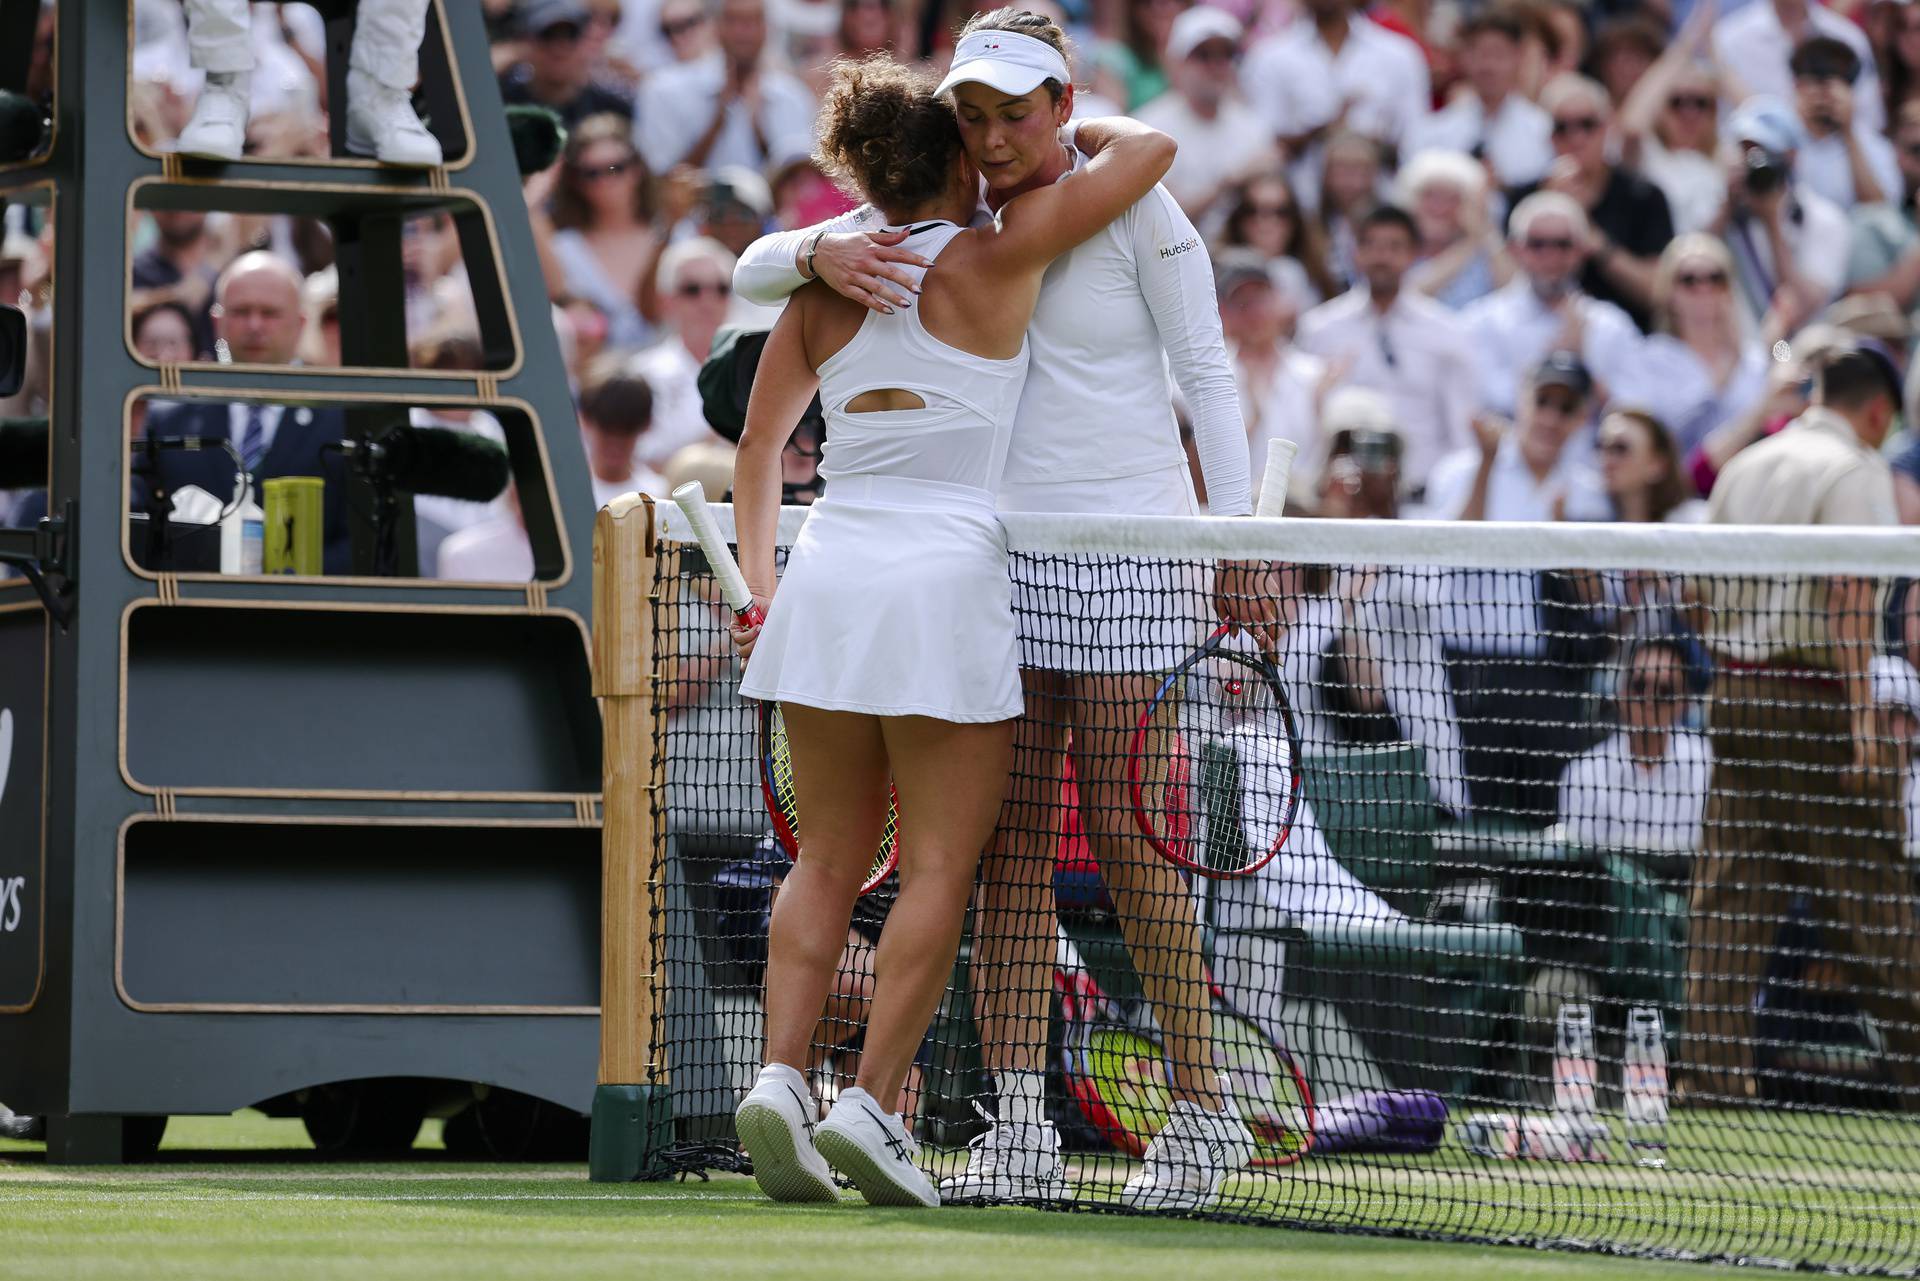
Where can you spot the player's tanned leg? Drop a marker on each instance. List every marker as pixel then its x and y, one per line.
pixel 951 779
pixel 840 784
pixel 1155 912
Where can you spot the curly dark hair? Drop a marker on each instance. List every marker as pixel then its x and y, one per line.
pixel 884 135
pixel 1026 23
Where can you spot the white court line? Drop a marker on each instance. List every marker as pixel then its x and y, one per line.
pixel 149 1197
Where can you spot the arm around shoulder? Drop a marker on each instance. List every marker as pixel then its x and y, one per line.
pixel 1039 226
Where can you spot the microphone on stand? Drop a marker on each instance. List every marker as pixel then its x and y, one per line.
pixel 433 461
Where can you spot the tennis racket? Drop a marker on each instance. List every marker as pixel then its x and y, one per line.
pixel 776 756
pixel 1116 1071
pixel 1213 768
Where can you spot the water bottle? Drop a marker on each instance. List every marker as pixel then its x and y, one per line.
pixel 1644 1085
pixel 1554 1136
pixel 1573 1066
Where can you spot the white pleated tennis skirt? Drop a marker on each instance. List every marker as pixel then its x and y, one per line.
pixel 1108 615
pixel 895 602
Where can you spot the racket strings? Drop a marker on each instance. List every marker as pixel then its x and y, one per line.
pixel 1216 773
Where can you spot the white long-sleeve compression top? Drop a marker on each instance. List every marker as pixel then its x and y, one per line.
pixel 1114 315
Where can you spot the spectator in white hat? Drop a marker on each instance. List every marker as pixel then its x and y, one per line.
pixel 1221 138
pixel 1789 243
pixel 1896 692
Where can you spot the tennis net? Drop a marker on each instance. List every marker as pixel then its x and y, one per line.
pixel 1592 924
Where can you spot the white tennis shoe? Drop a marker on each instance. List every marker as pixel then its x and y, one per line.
pixel 775 1123
pixel 218 129
pixel 1011 1162
pixel 381 123
pixel 872 1147
pixel 1189 1159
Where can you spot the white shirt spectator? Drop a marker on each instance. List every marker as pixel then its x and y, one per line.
pixel 1695 186
pixel 435 516
pixel 1753 45
pixel 494 551
pixel 679 419
pixel 1400 619
pixel 1296 84
pixel 1284 406
pixel 1496 612
pixel 1513 491
pixel 1517 139
pixel 1212 152
pixel 1819 238
pixel 1416 355
pixel 1609 800
pixel 1821 165
pixel 1511 330
pixel 677 104
pixel 645 480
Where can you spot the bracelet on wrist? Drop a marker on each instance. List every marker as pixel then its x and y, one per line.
pixel 813 247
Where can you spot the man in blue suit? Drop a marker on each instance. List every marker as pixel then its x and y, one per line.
pixel 259 320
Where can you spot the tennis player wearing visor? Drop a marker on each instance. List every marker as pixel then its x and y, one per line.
pixel 890 643
pixel 1094 432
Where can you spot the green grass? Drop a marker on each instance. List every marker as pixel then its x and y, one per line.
pixel 235 1197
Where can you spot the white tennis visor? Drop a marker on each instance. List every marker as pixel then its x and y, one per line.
pixel 1008 61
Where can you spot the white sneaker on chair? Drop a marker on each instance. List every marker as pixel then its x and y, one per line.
pixel 1189 1159
pixel 775 1123
pixel 381 123
pixel 872 1147
pixel 1011 1162
pixel 218 129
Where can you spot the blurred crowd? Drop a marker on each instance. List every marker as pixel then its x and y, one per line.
pixel 1408 205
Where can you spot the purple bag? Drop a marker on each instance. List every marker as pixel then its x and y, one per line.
pixel 1399 1121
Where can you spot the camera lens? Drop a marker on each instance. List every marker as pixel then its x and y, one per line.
pixel 1765 172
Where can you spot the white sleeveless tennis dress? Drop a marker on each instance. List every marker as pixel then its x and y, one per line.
pixel 896 599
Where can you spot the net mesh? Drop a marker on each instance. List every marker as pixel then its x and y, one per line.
pixel 1594 925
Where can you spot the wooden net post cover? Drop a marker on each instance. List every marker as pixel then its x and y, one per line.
pixel 623 679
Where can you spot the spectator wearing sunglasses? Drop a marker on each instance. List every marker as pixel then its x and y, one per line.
pixel 1628 216
pixel 1667 123
pixel 559 68
pixel 1220 137
pixel 1843 161
pixel 1789 243
pixel 695 289
pixel 604 236
pixel 1702 341
pixel 1264 215
pixel 1641 471
pixel 1644 787
pixel 1543 309
pixel 1491 120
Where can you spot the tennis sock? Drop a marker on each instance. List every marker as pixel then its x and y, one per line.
pixel 1022 1097
pixel 786 1075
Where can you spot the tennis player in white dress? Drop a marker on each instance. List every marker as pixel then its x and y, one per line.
pixel 1095 432
pixel 890 642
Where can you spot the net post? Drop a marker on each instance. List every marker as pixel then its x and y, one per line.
pixel 632 1110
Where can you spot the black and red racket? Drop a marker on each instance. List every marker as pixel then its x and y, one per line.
pixel 776 757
